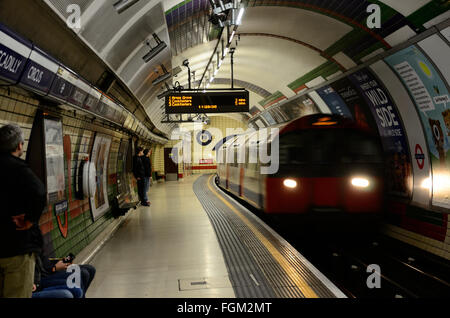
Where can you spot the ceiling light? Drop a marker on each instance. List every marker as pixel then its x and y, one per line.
pixel 156 50
pixel 164 77
pixel 240 15
pixel 123 5
pixel 231 37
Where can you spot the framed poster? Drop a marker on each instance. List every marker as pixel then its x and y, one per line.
pixel 269 118
pixel 122 180
pixel 334 101
pixel 431 98
pixel 292 110
pixel 421 196
pixel 355 104
pixel 99 157
pixel 54 159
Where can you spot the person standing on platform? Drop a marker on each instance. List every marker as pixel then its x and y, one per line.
pixel 23 198
pixel 148 173
pixel 139 174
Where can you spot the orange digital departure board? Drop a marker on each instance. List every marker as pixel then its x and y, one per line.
pixel 207 102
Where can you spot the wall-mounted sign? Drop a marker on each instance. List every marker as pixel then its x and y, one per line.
pixel 208 102
pixel 206 161
pixel 39 72
pixel 204 138
pixel 14 52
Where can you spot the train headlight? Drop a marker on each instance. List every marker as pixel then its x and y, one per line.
pixel 360 182
pixel 290 183
pixel 426 183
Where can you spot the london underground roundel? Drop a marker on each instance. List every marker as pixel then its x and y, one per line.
pixel 204 138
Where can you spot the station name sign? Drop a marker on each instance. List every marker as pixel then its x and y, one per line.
pixel 207 102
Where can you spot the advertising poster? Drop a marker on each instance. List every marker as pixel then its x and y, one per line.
pixel 334 101
pixel 254 110
pixel 54 152
pixel 390 128
pixel 269 118
pixel 431 97
pixel 420 159
pixel 291 110
pixel 100 155
pixel 307 105
pixel 299 107
pixel 355 103
pixel 122 180
pixel 278 116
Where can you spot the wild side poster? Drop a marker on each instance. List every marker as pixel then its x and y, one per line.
pixel 391 130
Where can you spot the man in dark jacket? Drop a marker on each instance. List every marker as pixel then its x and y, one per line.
pixel 23 198
pixel 139 174
pixel 148 172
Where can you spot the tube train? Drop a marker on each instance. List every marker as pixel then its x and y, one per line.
pixel 328 168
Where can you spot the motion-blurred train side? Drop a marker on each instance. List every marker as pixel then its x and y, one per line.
pixel 329 169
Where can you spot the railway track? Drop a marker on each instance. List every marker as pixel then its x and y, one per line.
pixel 404 271
pixel 347 263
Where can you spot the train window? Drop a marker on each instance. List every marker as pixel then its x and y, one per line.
pixel 324 146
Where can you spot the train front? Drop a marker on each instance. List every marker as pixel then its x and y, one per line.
pixel 329 171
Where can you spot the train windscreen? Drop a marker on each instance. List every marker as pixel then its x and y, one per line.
pixel 329 146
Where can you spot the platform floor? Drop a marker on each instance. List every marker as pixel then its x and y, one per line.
pixel 167 250
pixel 196 242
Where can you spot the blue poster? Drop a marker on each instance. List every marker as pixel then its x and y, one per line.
pixel 269 118
pixel 334 101
pixel 431 97
pixel 390 128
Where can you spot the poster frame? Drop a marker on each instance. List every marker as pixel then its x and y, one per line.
pixel 97 212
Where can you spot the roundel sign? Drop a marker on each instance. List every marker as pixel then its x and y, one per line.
pixel 204 138
pixel 420 156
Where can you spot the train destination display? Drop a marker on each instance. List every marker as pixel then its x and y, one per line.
pixel 208 102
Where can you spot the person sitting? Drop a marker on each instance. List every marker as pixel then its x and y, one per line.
pixel 56 274
pixel 56 288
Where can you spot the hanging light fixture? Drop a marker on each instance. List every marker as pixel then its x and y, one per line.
pixel 161 45
pixel 123 5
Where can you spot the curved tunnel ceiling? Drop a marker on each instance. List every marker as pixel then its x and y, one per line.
pixel 282 47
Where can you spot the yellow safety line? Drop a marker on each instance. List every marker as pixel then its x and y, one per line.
pixel 296 278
